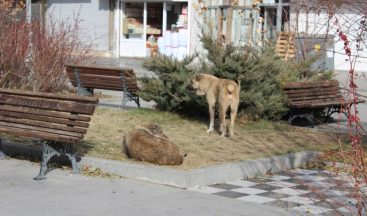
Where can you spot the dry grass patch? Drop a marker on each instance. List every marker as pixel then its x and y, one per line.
pixel 252 140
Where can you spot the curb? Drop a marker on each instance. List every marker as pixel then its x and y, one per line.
pixel 179 178
pixel 202 176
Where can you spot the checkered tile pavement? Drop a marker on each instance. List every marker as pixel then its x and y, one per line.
pixel 299 191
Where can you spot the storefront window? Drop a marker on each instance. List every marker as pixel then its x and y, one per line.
pixel 152 27
pixel 176 15
pixel 133 21
pixel 154 19
pixel 175 40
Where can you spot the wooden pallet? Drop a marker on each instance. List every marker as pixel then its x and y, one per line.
pixel 285 46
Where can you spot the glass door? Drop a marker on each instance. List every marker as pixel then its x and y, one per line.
pixel 133 29
pixel 154 26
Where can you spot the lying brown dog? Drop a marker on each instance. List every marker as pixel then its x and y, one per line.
pixel 225 92
pixel 147 142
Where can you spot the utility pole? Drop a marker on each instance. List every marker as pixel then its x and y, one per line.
pixel 28 6
pixel 279 15
pixel 28 60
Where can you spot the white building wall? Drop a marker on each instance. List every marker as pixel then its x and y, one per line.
pixel 93 16
pixel 317 22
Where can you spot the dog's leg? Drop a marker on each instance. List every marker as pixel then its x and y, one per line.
pixel 233 117
pixel 222 119
pixel 211 114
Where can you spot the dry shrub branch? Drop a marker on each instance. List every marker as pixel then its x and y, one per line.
pixel 353 40
pixel 32 56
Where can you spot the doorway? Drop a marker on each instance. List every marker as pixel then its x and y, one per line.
pixel 132 34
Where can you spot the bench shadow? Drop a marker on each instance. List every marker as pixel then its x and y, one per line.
pixel 33 153
pixel 304 122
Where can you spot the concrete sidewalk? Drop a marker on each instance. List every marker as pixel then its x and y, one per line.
pixel 66 194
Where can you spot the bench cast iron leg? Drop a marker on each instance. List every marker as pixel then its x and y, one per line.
pixel 128 95
pixel 291 118
pixel 311 119
pixel 2 155
pixel 302 114
pixel 124 99
pixel 137 101
pixel 338 109
pixel 47 154
pixel 131 97
pixel 80 88
pixel 70 152
pixel 51 149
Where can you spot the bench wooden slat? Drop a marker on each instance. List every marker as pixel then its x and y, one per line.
pixel 81 99
pixel 314 84
pixel 311 98
pixel 319 104
pixel 111 86
pixel 48 113
pixel 325 103
pixel 45 119
pixel 339 100
pixel 100 70
pixel 87 78
pixel 311 90
pixel 52 119
pixel 313 94
pixel 48 104
pixel 43 124
pixel 102 77
pixel 304 98
pixel 41 129
pixel 117 82
pixel 102 81
pixel 38 134
pixel 98 67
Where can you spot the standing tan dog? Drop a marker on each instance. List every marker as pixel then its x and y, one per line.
pixel 225 92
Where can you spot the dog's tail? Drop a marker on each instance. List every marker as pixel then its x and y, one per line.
pixel 231 88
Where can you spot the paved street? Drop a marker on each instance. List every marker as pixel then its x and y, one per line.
pixel 65 194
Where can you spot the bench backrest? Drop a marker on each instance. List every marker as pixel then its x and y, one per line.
pixel 54 117
pixel 313 93
pixel 103 78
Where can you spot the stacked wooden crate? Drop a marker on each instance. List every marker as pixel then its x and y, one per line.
pixel 285 46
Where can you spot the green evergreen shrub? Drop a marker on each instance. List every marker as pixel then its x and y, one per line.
pixel 169 89
pixel 260 72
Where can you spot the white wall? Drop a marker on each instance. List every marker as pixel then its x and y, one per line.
pixel 315 22
pixel 93 14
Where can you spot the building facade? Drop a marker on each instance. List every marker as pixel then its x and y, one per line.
pixel 125 28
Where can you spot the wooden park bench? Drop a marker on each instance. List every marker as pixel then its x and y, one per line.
pixel 304 98
pixel 53 120
pixel 87 78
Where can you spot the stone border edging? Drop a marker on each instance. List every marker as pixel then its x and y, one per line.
pixel 202 176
